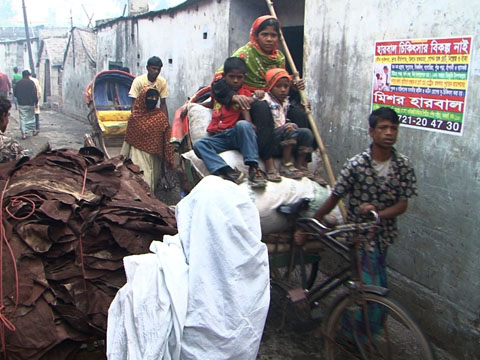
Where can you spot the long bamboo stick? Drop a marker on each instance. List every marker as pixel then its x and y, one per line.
pixel 313 125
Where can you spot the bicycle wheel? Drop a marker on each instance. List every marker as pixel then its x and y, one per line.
pixel 393 333
pixel 294 277
pixel 284 314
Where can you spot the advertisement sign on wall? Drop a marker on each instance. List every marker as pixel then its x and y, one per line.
pixel 424 80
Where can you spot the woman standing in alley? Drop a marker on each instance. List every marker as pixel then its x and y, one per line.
pixel 147 137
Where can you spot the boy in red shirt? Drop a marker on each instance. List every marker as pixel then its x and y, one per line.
pixel 232 129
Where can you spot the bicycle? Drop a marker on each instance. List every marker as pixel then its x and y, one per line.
pixel 363 323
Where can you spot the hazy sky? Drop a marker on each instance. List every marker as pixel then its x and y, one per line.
pixel 57 12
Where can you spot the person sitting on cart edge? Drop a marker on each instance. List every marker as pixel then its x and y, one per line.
pixel 232 129
pixel 379 179
pixel 152 79
pixel 10 149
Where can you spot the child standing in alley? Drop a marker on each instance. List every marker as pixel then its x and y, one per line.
pixel 232 129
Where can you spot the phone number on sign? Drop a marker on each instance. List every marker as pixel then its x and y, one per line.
pixel 429 123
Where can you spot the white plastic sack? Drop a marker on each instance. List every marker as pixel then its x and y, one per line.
pixel 146 317
pixel 199 118
pixel 232 157
pixel 267 201
pixel 229 289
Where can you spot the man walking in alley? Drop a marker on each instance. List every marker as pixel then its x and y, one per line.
pixel 26 93
pixel 152 79
pixel 16 77
pixel 5 85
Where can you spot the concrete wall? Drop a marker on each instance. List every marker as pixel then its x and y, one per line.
pixel 177 37
pixel 244 12
pixel 435 262
pixel 242 15
pixel 15 53
pixel 114 44
pixel 78 72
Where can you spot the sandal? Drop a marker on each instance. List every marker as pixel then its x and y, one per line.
pixel 274 176
pixel 24 136
pixel 307 173
pixel 318 179
pixel 35 133
pixel 256 178
pixel 290 171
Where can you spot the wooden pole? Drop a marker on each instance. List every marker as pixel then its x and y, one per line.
pixel 313 125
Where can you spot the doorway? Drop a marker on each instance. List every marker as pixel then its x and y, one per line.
pixel 47 91
pixel 294 38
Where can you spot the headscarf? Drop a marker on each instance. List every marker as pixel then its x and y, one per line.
pixel 257 61
pixel 149 130
pixel 273 75
pixel 254 36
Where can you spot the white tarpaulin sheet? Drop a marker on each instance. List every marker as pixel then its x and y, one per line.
pixel 227 284
pixel 146 318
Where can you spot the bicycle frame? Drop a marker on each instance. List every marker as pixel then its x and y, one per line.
pixel 350 274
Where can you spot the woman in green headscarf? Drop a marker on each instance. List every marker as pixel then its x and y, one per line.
pixel 261 54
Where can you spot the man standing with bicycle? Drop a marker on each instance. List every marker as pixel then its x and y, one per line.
pixel 379 179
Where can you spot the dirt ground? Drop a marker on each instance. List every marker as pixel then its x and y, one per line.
pixel 58 130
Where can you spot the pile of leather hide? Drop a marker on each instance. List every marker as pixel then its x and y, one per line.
pixel 69 217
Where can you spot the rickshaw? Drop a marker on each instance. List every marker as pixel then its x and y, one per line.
pixel 109 109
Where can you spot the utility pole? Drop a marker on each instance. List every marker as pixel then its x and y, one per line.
pixel 72 39
pixel 27 34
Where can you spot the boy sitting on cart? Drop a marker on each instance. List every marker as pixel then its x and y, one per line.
pixel 232 129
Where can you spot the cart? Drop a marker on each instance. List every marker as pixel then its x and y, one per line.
pixel 109 109
pixel 284 257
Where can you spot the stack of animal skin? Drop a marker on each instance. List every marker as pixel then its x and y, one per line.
pixel 68 219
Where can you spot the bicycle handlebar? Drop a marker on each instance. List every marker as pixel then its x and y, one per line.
pixel 376 216
pixel 328 235
pixel 319 228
